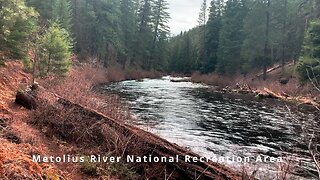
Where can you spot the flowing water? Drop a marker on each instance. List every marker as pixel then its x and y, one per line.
pixel 222 125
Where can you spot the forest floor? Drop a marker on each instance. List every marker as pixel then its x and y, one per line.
pixel 19 139
pixel 280 84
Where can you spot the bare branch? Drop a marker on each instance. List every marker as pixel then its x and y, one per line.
pixel 311 80
pixel 313 155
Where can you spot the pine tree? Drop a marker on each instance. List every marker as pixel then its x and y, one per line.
pixel 183 53
pixel 62 12
pixel 54 53
pixel 160 19
pixel 145 35
pixel 106 31
pixel 309 63
pixel 202 25
pixel 254 43
pixel 84 29
pixel 282 33
pixel 266 58
pixel 295 30
pixel 17 22
pixel 44 8
pixel 58 10
pixel 128 28
pixel 231 37
pixel 212 36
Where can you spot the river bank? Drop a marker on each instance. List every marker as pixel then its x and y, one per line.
pixel 280 85
pixel 75 119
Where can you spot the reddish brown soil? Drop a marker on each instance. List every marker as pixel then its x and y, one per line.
pixel 19 140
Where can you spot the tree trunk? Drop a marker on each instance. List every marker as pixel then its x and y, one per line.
pixel 284 34
pixel 266 46
pixel 26 100
pixel 34 63
pixel 49 63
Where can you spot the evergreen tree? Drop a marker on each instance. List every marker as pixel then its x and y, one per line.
pixel 44 8
pixel 62 12
pixel 266 58
pixel 295 30
pixel 54 51
pixel 84 29
pixel 309 64
pixel 202 25
pixel 231 37
pixel 212 37
pixel 254 44
pixel 161 53
pixel 160 18
pixel 128 27
pixel 284 32
pixel 237 36
pixel 145 34
pixel 106 41
pixel 17 22
pixel 184 54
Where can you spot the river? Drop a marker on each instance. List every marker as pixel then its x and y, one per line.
pixel 222 125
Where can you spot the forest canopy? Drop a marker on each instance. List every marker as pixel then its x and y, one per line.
pixel 233 36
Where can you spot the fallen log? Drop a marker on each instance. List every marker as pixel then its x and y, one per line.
pixel 274 68
pixel 267 93
pixel 273 94
pixel 99 128
pixel 25 99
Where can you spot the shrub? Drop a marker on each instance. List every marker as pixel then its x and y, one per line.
pixel 308 68
pixel 309 65
pixel 88 167
pixel 78 87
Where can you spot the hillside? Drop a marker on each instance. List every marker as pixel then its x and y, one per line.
pixel 19 140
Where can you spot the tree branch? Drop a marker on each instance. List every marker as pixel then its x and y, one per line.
pixel 311 80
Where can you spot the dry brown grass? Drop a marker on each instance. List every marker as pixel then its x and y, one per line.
pixel 90 134
pixel 16 163
pixel 284 171
pixel 12 78
pixel 215 79
pixel 293 88
pixel 115 74
pixel 83 132
pixel 67 124
pixel 17 139
pixel 79 88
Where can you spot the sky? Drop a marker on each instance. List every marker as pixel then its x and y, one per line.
pixel 184 14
